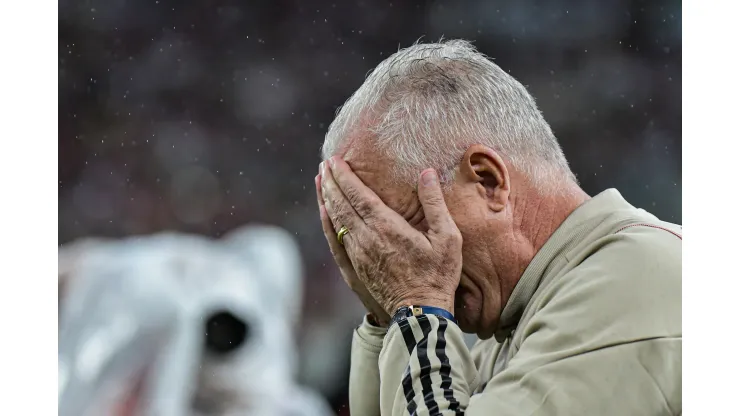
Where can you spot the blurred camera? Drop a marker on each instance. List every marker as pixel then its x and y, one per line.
pixel 174 324
pixel 225 333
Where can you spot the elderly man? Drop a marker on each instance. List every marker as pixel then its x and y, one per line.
pixel 449 206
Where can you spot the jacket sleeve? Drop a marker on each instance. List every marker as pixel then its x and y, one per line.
pixel 426 368
pixel 364 374
pixel 605 340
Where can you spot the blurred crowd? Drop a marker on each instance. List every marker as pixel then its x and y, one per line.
pixel 201 116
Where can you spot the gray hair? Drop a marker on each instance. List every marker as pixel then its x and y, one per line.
pixel 426 104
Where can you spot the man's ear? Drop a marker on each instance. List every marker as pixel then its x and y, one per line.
pixel 485 166
pixel 274 255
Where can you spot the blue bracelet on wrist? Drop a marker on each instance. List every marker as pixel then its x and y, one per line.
pixel 405 312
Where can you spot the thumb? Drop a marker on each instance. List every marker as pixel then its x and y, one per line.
pixel 433 202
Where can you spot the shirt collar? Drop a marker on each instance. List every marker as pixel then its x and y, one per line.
pixel 584 219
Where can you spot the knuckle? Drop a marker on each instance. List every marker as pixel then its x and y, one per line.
pixel 435 199
pixel 364 209
pixel 363 206
pixel 340 214
pixel 454 238
pixel 353 196
pixel 379 224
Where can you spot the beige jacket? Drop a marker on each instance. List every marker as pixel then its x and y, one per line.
pixel 592 328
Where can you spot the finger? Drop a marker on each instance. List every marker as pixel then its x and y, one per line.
pixel 432 201
pixel 319 197
pixel 326 225
pixel 347 268
pixel 340 255
pixel 364 201
pixel 329 232
pixel 340 211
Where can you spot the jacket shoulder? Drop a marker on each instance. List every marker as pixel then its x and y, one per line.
pixel 629 281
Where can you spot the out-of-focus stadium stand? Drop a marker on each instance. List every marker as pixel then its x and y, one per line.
pixel 201 116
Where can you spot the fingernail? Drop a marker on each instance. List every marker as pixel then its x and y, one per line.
pixel 331 162
pixel 429 178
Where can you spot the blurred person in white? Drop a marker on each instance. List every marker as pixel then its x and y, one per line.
pixel 449 206
pixel 175 324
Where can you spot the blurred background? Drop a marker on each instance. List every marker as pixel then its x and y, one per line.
pixel 201 116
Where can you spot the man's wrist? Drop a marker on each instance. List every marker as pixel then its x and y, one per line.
pixel 449 306
pixel 405 312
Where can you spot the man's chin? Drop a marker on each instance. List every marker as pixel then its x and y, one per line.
pixel 465 321
pixel 468 319
pixel 469 315
pixel 471 325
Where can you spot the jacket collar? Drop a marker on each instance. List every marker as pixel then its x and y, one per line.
pixel 578 224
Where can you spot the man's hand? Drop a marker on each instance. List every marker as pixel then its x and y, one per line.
pixel 345 265
pixel 398 264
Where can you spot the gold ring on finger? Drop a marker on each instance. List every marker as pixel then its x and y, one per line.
pixel 340 235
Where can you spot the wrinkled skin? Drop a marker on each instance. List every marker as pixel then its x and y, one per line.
pixel 378 315
pixel 398 264
pixel 502 216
